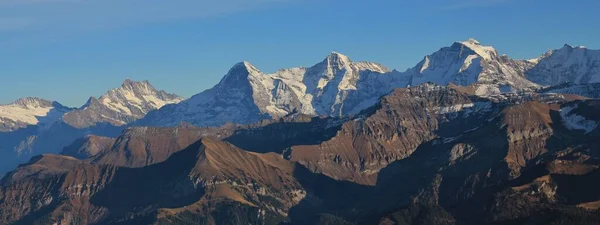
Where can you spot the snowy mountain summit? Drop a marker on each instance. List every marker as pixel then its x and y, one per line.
pixel 29 111
pixel 577 65
pixel 121 106
pixel 469 63
pixel 339 86
pixel 335 86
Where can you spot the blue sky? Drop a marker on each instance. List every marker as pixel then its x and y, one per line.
pixel 68 50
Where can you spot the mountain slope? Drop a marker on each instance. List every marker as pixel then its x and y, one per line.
pixel 143 146
pixel 88 146
pixel 208 177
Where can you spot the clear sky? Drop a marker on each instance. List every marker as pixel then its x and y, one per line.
pixel 68 50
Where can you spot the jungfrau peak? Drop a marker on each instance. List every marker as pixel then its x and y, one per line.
pixel 469 63
pixel 486 52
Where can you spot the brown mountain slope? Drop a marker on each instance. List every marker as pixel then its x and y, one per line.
pixel 207 174
pixel 88 146
pixel 390 131
pixel 142 146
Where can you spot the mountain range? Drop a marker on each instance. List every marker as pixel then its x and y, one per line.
pixel 338 86
pixel 32 126
pixel 467 136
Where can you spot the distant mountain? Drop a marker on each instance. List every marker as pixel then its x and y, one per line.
pixel 337 86
pixel 577 65
pixel 428 154
pixel 30 112
pixel 469 63
pixel 121 106
pixel 33 126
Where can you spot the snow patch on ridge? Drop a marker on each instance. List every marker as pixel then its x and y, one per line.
pixel 25 115
pixel 484 51
pixel 467 108
pixel 26 110
pixel 576 122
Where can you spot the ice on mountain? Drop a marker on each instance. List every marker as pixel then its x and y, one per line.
pixel 576 122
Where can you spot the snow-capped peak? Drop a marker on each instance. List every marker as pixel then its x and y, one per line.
pixel 143 87
pixel 122 105
pixel 245 65
pixel 239 75
pixel 471 41
pixel 567 46
pixel 32 102
pixel 486 52
pixel 337 60
pixel 29 111
pixel 471 63
pixel 577 65
pixel 137 94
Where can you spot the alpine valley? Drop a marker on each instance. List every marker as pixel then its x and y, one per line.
pixel 467 136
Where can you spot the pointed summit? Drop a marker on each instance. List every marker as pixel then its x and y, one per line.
pixel 122 105
pixel 244 65
pixel 29 111
pixel 471 41
pixel 138 86
pixel 32 102
pixel 336 54
pixel 337 60
pixel 486 52
pixel 127 82
pixel 240 72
